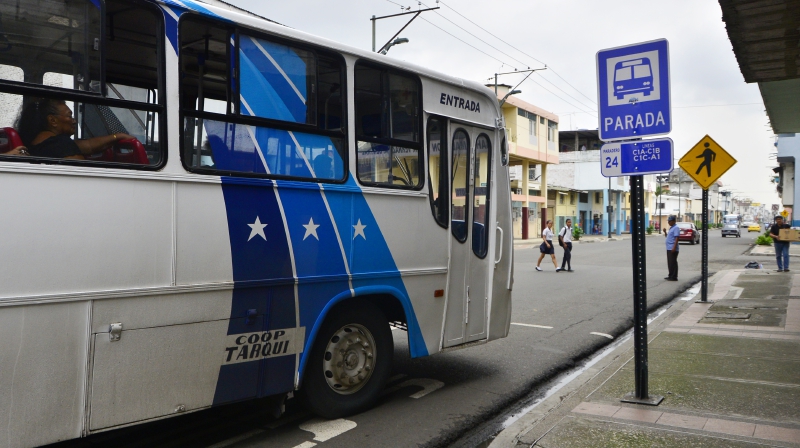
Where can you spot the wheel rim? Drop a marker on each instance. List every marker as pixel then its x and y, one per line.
pixel 349 359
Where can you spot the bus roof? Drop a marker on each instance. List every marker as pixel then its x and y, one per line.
pixel 221 10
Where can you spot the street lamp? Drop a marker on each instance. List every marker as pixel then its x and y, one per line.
pixel 513 92
pixel 398 41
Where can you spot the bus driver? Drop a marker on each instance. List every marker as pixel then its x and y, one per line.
pixel 46 125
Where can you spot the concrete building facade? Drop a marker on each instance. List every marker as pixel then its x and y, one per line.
pixel 533 149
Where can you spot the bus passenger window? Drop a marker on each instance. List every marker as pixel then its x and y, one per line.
pixel 58 44
pixel 387 127
pixel 282 116
pixel 277 81
pixel 49 35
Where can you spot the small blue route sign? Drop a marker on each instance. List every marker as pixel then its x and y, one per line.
pixel 633 91
pixel 636 158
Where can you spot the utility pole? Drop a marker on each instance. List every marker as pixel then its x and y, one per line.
pixel 375 19
pixel 529 71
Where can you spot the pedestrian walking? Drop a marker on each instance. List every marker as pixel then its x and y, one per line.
pixel 672 248
pixel 565 241
pixel 547 245
pixel 781 247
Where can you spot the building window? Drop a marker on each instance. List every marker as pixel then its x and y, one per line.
pixel 572 198
pixel 561 198
pixel 597 198
pixel 532 126
pixel 583 198
pixel 552 131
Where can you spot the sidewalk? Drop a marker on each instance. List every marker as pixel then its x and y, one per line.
pixel 729 372
pixel 794 250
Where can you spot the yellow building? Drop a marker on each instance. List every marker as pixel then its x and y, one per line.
pixel 533 135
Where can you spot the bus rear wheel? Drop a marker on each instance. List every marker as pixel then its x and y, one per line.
pixel 350 361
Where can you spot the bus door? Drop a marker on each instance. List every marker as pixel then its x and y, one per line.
pixel 470 263
pixel 500 307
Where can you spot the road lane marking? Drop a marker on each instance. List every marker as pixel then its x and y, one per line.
pixel 305 445
pixel 237 439
pixel 602 334
pixel 327 429
pixel 532 325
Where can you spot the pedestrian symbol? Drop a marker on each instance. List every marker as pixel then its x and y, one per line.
pixel 708 156
pixel 706 162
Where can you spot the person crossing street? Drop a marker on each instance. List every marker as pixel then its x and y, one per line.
pixel 565 241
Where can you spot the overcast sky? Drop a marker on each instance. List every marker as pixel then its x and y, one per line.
pixel 709 94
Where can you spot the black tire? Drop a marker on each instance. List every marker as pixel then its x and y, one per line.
pixel 351 318
pixel 723 235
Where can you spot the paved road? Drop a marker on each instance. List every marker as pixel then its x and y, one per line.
pixel 447 399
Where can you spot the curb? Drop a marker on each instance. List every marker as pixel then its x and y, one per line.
pixel 566 395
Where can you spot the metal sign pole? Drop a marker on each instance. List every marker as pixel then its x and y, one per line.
pixel 704 262
pixel 641 394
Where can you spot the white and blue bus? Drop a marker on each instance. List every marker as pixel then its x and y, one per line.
pixel 200 206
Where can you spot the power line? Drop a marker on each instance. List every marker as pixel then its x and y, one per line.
pixel 512 46
pixel 499 60
pixel 562 99
pixel 466 43
pixel 476 37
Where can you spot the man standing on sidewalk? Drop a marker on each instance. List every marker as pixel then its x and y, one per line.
pixel 672 249
pixel 565 238
pixel 781 247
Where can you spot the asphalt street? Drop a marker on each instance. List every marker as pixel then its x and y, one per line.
pixel 461 397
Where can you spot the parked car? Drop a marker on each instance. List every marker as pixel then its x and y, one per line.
pixel 754 227
pixel 688 232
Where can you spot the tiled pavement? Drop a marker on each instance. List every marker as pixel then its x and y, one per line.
pixel 726 382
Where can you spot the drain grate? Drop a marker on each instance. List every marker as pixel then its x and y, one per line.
pixel 727 315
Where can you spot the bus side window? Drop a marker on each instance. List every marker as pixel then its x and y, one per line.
pixel 388 128
pixel 437 170
pixel 281 116
pixel 65 39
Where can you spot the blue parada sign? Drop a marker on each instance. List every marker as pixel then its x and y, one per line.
pixel 633 91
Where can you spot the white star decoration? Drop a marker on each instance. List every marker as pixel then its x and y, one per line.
pixel 311 229
pixel 359 230
pixel 257 229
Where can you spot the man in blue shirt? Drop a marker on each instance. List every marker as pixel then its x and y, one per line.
pixel 672 249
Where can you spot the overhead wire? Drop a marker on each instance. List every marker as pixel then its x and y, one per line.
pixel 508 55
pixel 502 52
pixel 465 42
pixel 512 46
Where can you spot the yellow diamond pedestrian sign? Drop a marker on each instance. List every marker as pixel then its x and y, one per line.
pixel 706 162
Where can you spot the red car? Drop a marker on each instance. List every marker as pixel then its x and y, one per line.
pixel 688 232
